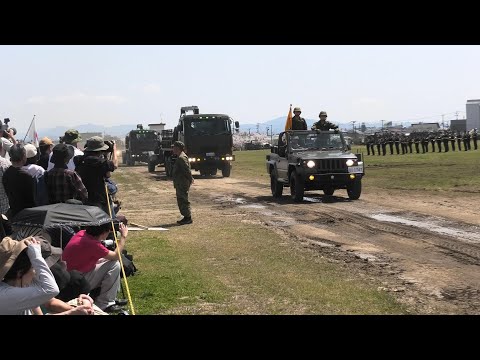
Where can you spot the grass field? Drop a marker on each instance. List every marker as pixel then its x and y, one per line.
pixel 452 171
pixel 226 267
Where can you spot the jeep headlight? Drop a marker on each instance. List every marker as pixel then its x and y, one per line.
pixel 350 162
pixel 311 164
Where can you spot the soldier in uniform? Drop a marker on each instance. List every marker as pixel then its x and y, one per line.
pixel 459 140
pixel 368 143
pixel 390 142
pixel 432 140
pixel 467 137
pixel 323 124
pixel 416 141
pixel 445 139
pixel 410 142
pixel 452 140
pixel 403 143
pixel 397 143
pixel 182 180
pixel 438 139
pixel 424 143
pixel 466 141
pixel 298 123
pixel 474 138
pixel 378 143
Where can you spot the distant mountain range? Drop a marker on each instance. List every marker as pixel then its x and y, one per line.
pixel 278 125
pixel 117 130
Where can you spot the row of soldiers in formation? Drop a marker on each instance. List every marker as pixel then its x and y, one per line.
pixel 405 142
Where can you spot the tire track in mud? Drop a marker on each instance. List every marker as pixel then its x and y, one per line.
pixel 407 259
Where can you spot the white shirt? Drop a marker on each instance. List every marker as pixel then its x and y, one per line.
pixel 6 145
pixel 20 300
pixel 70 165
pixel 34 170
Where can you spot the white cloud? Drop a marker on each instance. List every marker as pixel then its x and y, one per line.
pixel 76 98
pixel 365 101
pixel 111 98
pixel 37 100
pixel 152 88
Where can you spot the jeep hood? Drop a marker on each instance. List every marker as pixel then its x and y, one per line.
pixel 333 154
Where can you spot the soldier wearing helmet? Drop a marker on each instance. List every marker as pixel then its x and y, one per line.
pixel 323 124
pixel 298 123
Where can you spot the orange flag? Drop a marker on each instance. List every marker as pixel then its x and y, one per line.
pixel 288 124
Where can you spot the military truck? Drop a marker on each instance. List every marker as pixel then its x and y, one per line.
pixel 208 140
pixel 307 160
pixel 163 153
pixel 140 144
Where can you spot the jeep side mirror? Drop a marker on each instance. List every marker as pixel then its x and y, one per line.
pixel 237 125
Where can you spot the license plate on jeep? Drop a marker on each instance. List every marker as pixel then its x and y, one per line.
pixel 355 169
pixel 210 154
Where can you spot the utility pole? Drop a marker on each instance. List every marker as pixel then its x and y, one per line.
pixel 456 114
pixel 270 127
pixel 382 123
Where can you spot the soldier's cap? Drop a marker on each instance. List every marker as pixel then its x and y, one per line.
pixel 297 109
pixel 322 113
pixel 179 144
pixel 45 141
pixel 72 136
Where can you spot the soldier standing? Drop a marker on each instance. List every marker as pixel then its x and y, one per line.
pixel 445 139
pixel 467 135
pixel 432 140
pixel 474 138
pixel 390 142
pixel 438 139
pixel 397 143
pixel 459 140
pixel 410 142
pixel 452 140
pixel 298 123
pixel 425 143
pixel 182 180
pixel 417 143
pixel 323 124
pixel 465 141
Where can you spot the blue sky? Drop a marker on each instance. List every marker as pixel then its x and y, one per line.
pixel 73 85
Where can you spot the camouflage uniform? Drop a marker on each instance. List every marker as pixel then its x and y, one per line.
pixel 299 123
pixel 474 138
pixel 182 179
pixel 324 125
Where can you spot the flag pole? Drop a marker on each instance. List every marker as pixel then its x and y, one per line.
pixel 26 134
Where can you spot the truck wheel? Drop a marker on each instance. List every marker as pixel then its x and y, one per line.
pixel 329 191
pixel 275 186
pixel 296 187
pixel 151 167
pixel 124 158
pixel 226 170
pixel 354 189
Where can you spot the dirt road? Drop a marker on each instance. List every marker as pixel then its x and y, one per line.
pixel 423 247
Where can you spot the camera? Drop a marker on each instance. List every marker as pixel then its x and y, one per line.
pixel 110 144
pixel 4 126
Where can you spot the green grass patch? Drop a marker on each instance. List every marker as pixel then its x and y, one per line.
pixel 242 269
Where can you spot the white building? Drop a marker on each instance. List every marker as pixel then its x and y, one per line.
pixel 473 114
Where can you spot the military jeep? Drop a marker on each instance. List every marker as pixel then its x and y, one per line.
pixel 314 160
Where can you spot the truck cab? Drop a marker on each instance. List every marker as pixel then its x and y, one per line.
pixel 208 140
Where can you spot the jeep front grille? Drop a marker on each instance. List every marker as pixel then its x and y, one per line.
pixel 331 165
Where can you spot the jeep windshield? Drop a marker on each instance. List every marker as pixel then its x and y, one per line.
pixel 316 141
pixel 209 126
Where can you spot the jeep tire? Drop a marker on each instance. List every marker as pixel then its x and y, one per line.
pixel 296 187
pixel 354 189
pixel 275 186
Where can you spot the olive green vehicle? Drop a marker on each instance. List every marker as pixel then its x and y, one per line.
pixel 307 160
pixel 208 140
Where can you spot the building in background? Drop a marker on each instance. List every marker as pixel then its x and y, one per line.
pixel 473 114
pixel 459 125
pixel 425 127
